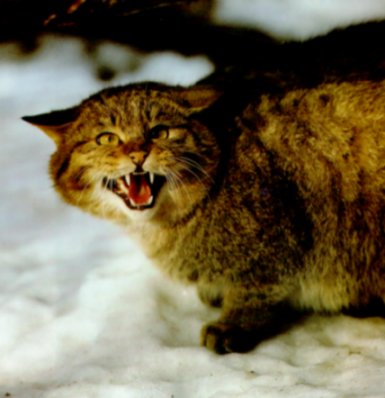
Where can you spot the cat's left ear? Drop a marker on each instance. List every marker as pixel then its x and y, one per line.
pixel 199 98
pixel 54 123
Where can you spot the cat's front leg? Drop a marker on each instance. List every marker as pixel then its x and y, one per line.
pixel 248 317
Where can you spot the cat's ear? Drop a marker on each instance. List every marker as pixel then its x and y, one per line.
pixel 199 97
pixel 54 123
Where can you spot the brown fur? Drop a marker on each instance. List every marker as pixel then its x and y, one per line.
pixel 286 209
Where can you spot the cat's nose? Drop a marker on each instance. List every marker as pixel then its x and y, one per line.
pixel 138 157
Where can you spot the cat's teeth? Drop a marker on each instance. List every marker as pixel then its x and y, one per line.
pixel 127 179
pixel 152 178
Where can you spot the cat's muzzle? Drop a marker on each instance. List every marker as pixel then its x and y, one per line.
pixel 139 190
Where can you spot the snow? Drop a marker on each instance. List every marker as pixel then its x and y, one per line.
pixel 84 315
pixel 298 19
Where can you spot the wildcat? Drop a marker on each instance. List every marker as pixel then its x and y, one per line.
pixel 269 197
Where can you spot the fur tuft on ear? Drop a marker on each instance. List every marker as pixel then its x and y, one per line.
pixel 54 123
pixel 199 97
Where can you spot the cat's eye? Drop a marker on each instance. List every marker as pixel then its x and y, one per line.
pixel 159 132
pixel 107 138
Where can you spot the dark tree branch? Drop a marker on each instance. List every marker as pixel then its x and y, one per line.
pixel 185 26
pixel 150 25
pixel 129 7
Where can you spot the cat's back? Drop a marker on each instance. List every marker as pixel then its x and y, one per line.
pixel 331 137
pixel 330 142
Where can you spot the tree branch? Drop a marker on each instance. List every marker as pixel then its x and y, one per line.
pixel 185 26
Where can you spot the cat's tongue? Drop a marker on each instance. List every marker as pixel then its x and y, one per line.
pixel 140 189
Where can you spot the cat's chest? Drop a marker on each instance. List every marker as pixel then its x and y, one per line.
pixel 209 247
pixel 176 250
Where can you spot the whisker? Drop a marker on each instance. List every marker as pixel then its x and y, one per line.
pixel 201 181
pixel 178 183
pixel 195 166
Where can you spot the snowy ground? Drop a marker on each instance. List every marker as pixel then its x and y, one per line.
pixel 82 312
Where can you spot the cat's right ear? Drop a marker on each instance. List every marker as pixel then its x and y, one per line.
pixel 199 97
pixel 54 123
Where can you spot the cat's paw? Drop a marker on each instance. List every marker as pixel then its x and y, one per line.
pixel 224 338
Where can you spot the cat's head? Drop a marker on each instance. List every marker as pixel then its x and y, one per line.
pixel 138 150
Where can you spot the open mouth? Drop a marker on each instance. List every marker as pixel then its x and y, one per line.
pixel 139 190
